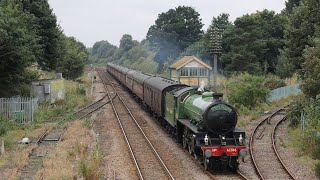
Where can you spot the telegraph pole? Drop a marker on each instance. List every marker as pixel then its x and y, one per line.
pixel 215 51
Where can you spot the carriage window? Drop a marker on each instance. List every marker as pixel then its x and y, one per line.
pixel 129 80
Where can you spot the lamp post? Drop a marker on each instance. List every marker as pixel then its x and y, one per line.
pixel 215 51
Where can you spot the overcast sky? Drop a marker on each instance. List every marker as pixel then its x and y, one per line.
pixel 94 20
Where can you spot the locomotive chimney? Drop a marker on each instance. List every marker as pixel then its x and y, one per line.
pixel 217 96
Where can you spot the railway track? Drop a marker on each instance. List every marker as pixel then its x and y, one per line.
pixel 241 176
pixel 228 176
pixel 264 155
pixel 51 137
pixel 147 161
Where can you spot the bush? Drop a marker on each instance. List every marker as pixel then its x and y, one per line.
pixel 6 125
pixel 316 153
pixel 274 82
pixel 317 169
pixel 247 90
pixel 309 140
pixel 312 111
pixel 294 113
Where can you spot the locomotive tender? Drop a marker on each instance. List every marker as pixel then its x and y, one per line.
pixel 200 121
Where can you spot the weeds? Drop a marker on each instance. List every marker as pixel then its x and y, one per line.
pixel 87 123
pixel 317 169
pixel 6 125
pixel 90 169
pixel 81 90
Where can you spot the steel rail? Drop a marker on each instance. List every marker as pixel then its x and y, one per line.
pixel 251 142
pixel 42 136
pixel 210 174
pixel 275 147
pixel 88 106
pixel 142 132
pixel 84 108
pixel 242 176
pixel 123 131
pixel 96 108
pixel 238 174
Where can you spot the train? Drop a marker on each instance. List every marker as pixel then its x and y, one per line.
pixel 200 120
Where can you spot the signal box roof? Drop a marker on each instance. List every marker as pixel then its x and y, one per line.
pixel 187 59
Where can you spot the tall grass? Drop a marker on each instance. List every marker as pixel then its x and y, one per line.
pixel 90 169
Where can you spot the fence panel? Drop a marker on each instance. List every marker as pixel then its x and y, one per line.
pixel 284 92
pixel 22 110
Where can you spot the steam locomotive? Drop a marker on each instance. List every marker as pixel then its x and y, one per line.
pixel 200 121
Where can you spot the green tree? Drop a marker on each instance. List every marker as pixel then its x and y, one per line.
pixel 18 46
pixel 299 33
pixel 101 52
pixel 252 43
pixel 74 57
pixel 311 70
pixel 140 57
pixel 174 31
pixel 220 22
pixel 201 48
pixel 47 30
pixel 290 4
pixel 103 49
pixel 126 42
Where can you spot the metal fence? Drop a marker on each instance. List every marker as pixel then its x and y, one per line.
pixel 22 110
pixel 284 92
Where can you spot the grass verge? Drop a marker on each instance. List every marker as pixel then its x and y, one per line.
pixel 16 155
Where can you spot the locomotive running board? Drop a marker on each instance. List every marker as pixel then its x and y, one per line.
pixel 186 122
